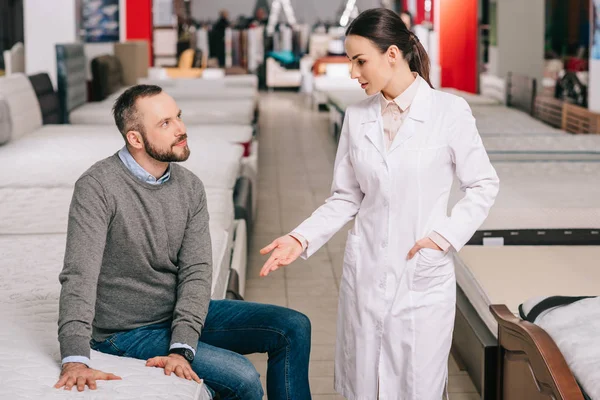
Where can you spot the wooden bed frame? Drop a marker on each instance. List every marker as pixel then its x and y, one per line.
pixel 577 119
pixel 549 110
pixel 524 363
pixel 530 365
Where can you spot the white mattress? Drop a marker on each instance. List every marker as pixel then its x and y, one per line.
pixel 544 195
pixel 29 350
pixel 35 211
pixel 42 159
pixel 344 98
pixel 556 147
pixel 474 99
pixel 325 83
pixel 228 133
pixel 200 92
pixel 512 274
pixel 500 120
pixel 249 80
pixel 195 112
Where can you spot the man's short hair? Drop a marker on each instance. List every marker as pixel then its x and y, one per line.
pixel 125 111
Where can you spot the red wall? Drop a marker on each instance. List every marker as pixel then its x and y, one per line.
pixel 458 43
pixel 138 15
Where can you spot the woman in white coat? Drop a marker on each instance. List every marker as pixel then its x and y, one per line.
pixel 398 154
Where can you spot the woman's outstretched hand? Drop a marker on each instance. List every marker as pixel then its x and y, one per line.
pixel 285 250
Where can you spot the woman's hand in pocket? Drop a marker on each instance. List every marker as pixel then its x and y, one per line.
pixel 425 243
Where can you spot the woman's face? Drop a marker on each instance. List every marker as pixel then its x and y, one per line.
pixel 370 67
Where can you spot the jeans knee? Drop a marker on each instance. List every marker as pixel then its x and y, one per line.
pixel 298 327
pixel 249 385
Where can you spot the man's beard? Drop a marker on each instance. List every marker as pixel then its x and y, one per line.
pixel 166 155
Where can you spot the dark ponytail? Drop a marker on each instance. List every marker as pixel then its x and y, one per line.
pixel 385 28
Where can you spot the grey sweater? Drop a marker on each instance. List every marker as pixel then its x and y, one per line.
pixel 137 254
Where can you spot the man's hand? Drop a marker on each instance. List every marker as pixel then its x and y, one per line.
pixel 174 363
pixel 81 375
pixel 426 243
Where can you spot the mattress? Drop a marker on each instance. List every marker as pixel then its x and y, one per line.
pixel 474 99
pixel 29 313
pixel 195 112
pixel 36 211
pixel 500 120
pixel 341 99
pixel 544 196
pixel 228 133
pixel 512 274
pixel 40 160
pixel 226 81
pixel 327 83
pixel 200 92
pixel 535 148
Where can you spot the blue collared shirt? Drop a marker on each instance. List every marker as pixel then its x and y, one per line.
pixel 140 172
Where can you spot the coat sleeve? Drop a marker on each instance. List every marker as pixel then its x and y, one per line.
pixel 341 206
pixel 477 177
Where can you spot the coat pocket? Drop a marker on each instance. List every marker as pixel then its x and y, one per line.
pixel 433 268
pixel 350 260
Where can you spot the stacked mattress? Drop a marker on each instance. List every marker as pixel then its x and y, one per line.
pixel 195 112
pixel 28 339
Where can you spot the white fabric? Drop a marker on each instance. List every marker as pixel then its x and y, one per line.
pixel 14 59
pixel 25 112
pixel 554 147
pixel 35 211
pixel 197 92
pixel 511 274
pixel 29 313
pixel 342 99
pixel 474 99
pixel 544 195
pixel 195 112
pixel 59 160
pixel 500 120
pixel 396 315
pixel 574 328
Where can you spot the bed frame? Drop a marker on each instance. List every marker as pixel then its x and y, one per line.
pixel 577 119
pixel 530 365
pixel 524 363
pixel 549 110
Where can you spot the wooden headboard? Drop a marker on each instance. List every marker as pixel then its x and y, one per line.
pixel 521 91
pixel 577 119
pixel 549 110
pixel 72 85
pixel 530 365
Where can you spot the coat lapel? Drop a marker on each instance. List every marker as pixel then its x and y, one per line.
pixel 419 111
pixel 372 126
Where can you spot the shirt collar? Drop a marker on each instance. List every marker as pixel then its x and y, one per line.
pixel 405 99
pixel 139 172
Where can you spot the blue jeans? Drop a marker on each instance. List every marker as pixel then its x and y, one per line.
pixel 233 328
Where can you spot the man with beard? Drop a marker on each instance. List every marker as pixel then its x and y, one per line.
pixel 137 273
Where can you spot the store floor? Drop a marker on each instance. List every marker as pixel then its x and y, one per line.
pixel 296 164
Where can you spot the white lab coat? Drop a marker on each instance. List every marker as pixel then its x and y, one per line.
pixel 395 317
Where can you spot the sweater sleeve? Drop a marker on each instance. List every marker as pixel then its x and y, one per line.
pixel 89 218
pixel 194 277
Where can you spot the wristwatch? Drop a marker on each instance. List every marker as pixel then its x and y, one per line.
pixel 185 353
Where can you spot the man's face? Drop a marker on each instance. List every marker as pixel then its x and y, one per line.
pixel 164 133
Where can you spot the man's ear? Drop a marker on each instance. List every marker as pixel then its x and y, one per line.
pixel 134 139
